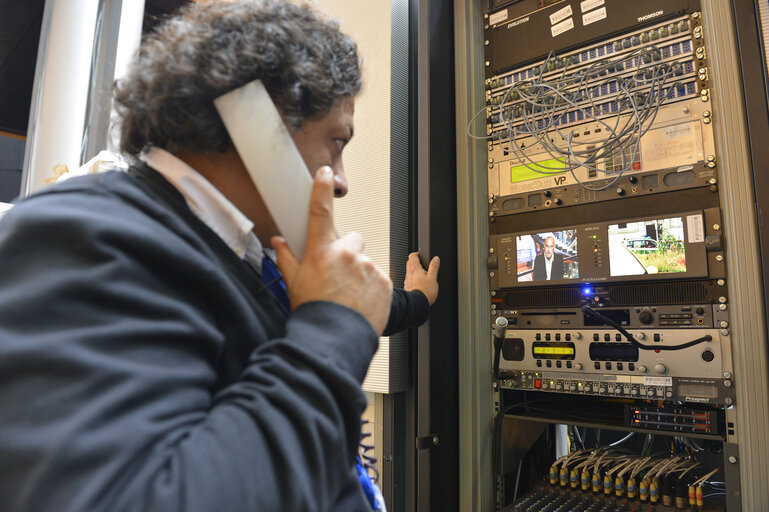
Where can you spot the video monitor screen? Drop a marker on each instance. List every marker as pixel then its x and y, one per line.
pixel 549 256
pixel 647 247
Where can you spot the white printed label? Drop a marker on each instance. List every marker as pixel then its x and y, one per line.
pixel 560 15
pixel 658 381
pixel 678 130
pixel 562 27
pixel 498 17
pixel 594 16
pixel 590 4
pixel 696 229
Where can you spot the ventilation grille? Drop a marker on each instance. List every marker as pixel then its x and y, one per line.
pixel 564 297
pixel 661 293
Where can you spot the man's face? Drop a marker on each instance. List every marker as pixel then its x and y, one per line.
pixel 549 247
pixel 321 141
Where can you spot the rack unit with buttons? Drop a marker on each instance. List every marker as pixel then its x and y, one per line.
pixel 598 362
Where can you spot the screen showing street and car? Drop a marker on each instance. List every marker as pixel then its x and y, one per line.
pixel 647 247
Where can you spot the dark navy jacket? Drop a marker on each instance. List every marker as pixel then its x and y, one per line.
pixel 144 367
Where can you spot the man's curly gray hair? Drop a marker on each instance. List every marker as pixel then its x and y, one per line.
pixel 209 48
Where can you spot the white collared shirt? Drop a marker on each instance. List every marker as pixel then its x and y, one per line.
pixel 210 205
pixel 549 266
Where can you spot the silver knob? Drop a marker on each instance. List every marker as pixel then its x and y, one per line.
pixel 660 368
pixel 643 369
pixel 579 367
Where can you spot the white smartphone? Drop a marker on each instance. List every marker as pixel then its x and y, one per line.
pixel 277 169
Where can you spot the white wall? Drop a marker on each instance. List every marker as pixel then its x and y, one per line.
pixel 367 206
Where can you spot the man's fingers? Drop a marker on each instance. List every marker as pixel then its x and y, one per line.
pixel 435 265
pixel 413 264
pixel 352 241
pixel 321 226
pixel 287 262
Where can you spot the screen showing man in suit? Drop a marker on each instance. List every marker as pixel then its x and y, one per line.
pixel 549 256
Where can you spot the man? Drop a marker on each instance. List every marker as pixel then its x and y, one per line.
pixel 548 265
pixel 146 359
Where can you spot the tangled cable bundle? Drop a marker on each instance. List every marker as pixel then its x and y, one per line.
pixel 623 95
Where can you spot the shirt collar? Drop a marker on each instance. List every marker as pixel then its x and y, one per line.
pixel 209 205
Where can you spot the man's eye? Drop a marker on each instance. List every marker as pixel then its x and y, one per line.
pixel 340 144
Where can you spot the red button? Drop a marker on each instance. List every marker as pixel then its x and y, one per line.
pixel 537 383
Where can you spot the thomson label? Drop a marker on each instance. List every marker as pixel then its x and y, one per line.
pixel 651 15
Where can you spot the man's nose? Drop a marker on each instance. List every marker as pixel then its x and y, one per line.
pixel 340 182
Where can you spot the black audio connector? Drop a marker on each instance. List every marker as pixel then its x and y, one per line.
pixel 590 312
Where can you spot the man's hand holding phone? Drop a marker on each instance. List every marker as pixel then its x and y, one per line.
pixel 334 269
